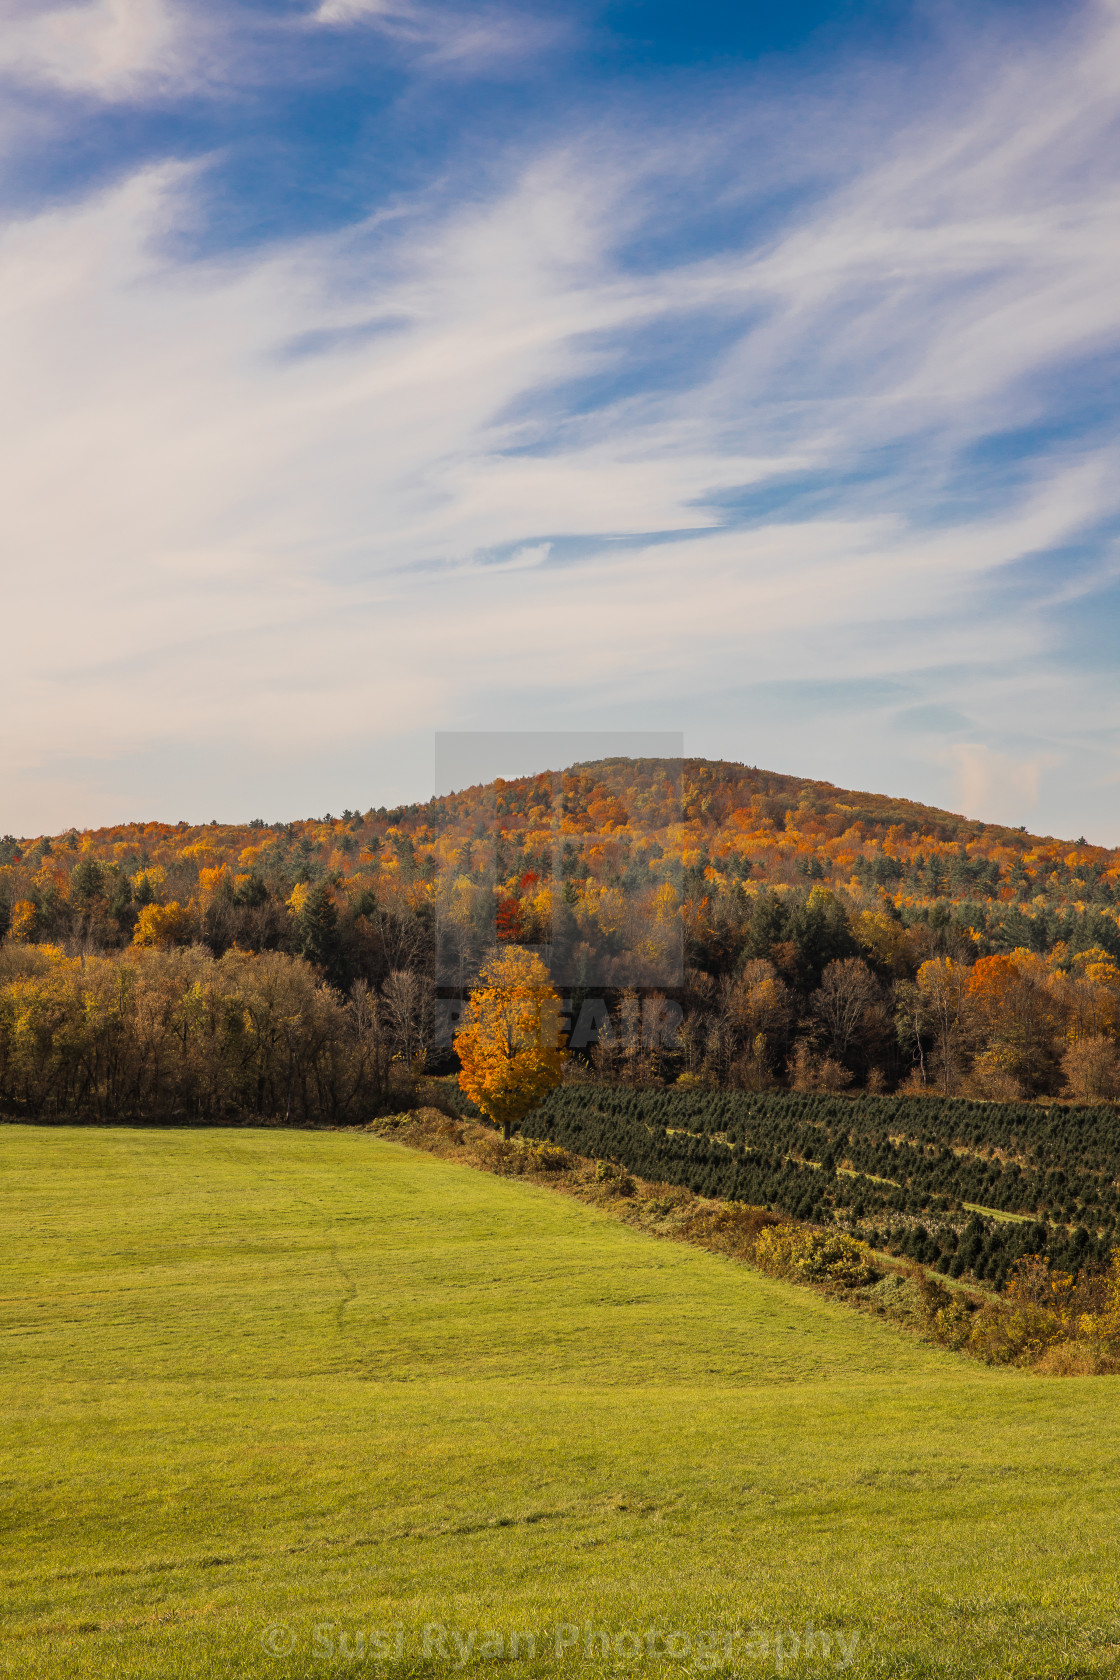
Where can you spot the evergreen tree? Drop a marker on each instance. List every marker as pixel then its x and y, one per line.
pixel 318 927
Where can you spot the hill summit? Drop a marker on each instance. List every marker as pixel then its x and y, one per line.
pixel 793 931
pixel 705 826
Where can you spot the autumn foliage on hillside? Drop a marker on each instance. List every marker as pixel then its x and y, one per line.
pixel 827 938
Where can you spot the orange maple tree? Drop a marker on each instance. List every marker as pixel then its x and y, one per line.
pixel 509 1044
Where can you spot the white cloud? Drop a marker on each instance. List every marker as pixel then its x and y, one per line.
pixel 349 11
pixel 445 38
pixel 108 48
pixel 218 542
pixel 400 15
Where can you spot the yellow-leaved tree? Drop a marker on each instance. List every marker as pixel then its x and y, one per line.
pixel 509 1043
pixel 164 924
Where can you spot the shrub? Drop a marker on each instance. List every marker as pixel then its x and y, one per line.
pixel 546 1157
pixel 1096 1305
pixel 501 1156
pixel 731 1227
pixel 952 1324
pixel 427 1114
pixel 814 1256
pixel 616 1181
pixel 511 1157
pixel 897 1297
pixel 1015 1335
pixel 1078 1359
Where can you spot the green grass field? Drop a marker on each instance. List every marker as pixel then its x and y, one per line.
pixel 260 1379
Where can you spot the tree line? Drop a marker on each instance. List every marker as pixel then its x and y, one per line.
pixel 181 1035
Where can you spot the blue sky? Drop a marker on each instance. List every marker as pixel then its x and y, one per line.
pixel 378 368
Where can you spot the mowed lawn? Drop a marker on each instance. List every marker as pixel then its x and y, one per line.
pixel 261 1380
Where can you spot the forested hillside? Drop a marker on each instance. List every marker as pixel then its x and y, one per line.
pixel 826 939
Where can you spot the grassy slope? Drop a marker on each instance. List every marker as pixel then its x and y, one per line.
pixel 255 1377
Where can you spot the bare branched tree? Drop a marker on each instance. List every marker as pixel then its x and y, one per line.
pixel 847 993
pixel 405 1009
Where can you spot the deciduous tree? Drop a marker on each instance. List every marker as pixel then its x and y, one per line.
pixel 509 1043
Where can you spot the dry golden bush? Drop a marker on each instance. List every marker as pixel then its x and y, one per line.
pixel 809 1255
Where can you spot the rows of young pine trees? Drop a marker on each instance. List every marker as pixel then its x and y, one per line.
pixel 919 1177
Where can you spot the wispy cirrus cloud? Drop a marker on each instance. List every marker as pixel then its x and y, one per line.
pixel 109 49
pixel 541 456
pixel 448 38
